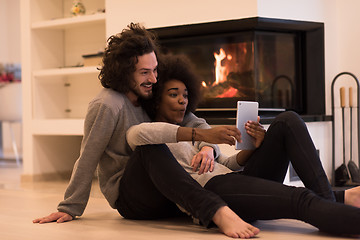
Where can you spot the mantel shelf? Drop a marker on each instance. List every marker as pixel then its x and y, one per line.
pixel 63 23
pixel 66 71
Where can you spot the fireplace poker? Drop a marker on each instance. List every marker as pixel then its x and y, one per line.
pixel 353 169
pixel 341 173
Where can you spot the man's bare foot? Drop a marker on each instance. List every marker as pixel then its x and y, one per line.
pixel 232 225
pixel 352 197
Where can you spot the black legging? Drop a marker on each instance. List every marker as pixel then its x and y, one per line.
pixel 153 181
pixel 257 192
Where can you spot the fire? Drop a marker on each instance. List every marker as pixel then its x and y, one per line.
pixel 220 71
pixel 231 92
pixel 232 72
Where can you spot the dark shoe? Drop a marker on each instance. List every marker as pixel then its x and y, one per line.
pixel 354 172
pixel 341 176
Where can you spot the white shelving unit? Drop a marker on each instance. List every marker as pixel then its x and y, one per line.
pixel 56 86
pixel 68 22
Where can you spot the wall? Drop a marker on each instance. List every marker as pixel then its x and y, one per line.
pixel 348 35
pixel 158 13
pixel 10 31
pixel 10 53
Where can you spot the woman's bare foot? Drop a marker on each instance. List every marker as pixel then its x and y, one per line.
pixel 352 197
pixel 232 225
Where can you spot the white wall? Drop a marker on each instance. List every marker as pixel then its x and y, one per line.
pixel 10 53
pixel 348 34
pixel 159 13
pixel 10 31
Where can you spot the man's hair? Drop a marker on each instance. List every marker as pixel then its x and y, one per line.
pixel 174 67
pixel 121 56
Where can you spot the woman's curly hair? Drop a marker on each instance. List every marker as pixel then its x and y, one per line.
pixel 174 67
pixel 121 56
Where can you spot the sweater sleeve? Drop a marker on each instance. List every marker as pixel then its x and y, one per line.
pixel 151 133
pixel 190 120
pixel 98 129
pixel 229 162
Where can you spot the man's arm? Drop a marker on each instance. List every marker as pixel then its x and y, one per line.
pixel 78 190
pixel 191 120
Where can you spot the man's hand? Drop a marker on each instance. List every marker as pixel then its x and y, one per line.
pixel 59 217
pixel 204 158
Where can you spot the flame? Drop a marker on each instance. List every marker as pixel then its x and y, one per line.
pixel 220 71
pixel 203 84
pixel 233 60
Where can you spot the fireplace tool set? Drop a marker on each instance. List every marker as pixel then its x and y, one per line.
pixel 347 174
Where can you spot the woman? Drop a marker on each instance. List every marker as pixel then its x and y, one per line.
pixel 256 192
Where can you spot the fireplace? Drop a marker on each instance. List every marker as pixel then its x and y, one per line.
pixel 278 63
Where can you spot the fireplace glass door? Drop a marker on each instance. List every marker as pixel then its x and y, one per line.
pixel 252 65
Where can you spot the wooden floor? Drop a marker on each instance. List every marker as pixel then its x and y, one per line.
pixel 22 202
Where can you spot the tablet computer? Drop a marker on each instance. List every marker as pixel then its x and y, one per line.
pixel 246 111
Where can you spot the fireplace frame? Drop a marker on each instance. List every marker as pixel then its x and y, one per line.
pixel 312 63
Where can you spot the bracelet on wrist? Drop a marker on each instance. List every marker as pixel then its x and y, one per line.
pixel 193 135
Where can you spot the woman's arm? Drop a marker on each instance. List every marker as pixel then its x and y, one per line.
pixel 243 156
pixel 151 133
pixel 216 135
pixel 160 132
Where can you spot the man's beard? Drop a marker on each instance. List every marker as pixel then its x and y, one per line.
pixel 140 94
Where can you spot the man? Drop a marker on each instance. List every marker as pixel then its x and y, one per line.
pixel 129 71
pixel 139 186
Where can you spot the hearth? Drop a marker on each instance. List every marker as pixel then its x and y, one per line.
pixel 279 63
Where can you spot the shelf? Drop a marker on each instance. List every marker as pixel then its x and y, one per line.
pixel 64 23
pixel 66 71
pixel 58 127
